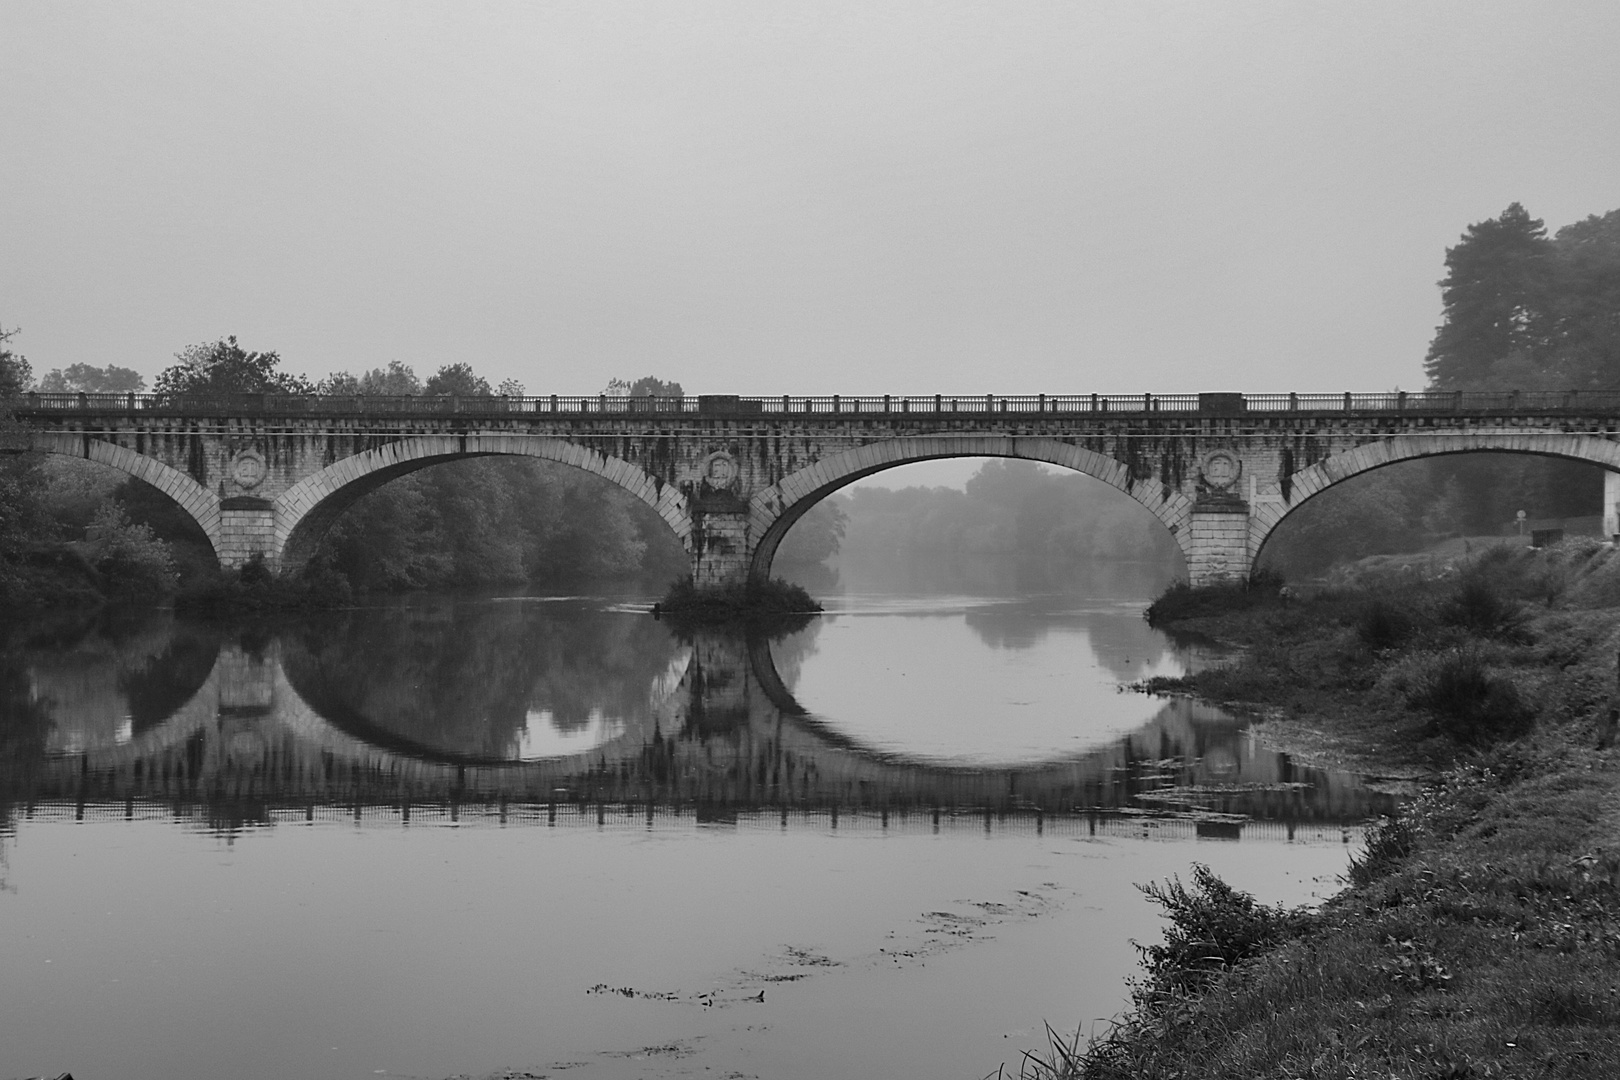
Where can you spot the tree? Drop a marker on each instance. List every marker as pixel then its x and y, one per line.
pixel 1494 298
pixel 16 374
pixel 646 386
pixel 224 367
pixel 23 519
pixel 816 536
pixel 134 562
pixel 458 379
pixel 1582 333
pixel 85 379
pixel 338 382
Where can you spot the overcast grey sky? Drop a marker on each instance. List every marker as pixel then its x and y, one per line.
pixel 768 198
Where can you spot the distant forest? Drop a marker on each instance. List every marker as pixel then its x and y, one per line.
pixel 1520 309
pixel 1009 509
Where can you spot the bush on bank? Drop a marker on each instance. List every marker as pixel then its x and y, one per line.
pixel 1480 934
pixel 755 599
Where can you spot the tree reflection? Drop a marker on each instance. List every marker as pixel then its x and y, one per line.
pixel 468 678
pixel 425 702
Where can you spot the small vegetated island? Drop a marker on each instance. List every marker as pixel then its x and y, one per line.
pixel 1479 935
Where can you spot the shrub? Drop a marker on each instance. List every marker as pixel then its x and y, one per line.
pixel 755 599
pixel 1184 601
pixel 132 561
pixel 1469 703
pixel 1384 625
pixel 1212 928
pixel 254 573
pixel 1479 606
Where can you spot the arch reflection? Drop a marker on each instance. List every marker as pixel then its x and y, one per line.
pixel 426 707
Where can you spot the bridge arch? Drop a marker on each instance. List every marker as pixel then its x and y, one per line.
pixel 200 504
pixel 1307 483
pixel 304 512
pixel 774 510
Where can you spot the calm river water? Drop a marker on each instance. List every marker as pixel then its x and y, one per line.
pixel 551 836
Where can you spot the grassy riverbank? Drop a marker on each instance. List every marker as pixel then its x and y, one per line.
pixel 1480 933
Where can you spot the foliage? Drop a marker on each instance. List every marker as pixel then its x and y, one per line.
pixel 1494 297
pixel 1526 312
pixel 1479 606
pixel 23 520
pixel 1213 927
pixel 224 367
pixel 755 599
pixel 1182 601
pixel 1469 702
pixel 816 536
pixel 133 562
pixel 458 378
pixel 646 386
pixel 16 374
pixel 496 520
pixel 1376 513
pixel 1384 624
pixel 396 380
pixel 85 379
pixel 1387 844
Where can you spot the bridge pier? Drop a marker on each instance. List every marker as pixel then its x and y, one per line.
pixel 1217 544
pixel 720 552
pixel 247 527
pixel 1611 505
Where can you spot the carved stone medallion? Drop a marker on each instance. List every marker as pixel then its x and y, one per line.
pixel 247 469
pixel 720 470
pixel 1221 470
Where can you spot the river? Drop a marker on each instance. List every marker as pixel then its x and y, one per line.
pixel 526 836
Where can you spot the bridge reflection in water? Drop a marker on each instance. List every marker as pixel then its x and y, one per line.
pixel 367 716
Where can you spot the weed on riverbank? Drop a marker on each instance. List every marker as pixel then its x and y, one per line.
pixel 1480 935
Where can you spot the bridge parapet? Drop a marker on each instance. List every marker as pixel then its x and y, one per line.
pixel 722 405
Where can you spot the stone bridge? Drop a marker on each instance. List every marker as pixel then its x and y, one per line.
pixel 267 475
pixel 727 736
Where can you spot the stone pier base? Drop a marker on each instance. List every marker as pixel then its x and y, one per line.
pixel 720 553
pixel 1217 547
pixel 247 527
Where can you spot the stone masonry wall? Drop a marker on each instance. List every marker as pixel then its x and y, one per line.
pixel 723 483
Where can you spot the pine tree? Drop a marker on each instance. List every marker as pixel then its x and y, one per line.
pixel 1495 297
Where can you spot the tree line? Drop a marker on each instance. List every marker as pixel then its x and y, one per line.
pixel 1009 509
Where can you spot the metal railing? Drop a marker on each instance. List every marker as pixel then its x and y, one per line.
pixel 1427 402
